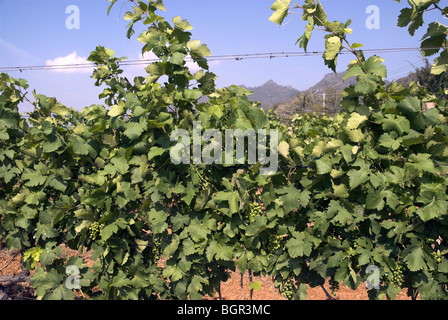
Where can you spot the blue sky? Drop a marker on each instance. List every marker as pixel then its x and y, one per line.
pixel 34 32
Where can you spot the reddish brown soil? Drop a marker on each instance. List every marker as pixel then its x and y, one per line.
pixel 10 265
pixel 230 290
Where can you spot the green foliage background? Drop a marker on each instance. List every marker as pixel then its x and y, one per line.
pixel 368 187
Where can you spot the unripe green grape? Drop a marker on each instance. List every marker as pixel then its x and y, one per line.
pixel 274 243
pixel 156 249
pixel 351 252
pixel 437 256
pixel 397 274
pixel 287 290
pixel 254 210
pixel 334 286
pixel 95 229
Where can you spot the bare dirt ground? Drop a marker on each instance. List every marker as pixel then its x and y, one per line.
pixel 230 290
pixel 10 266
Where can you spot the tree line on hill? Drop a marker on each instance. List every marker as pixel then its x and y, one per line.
pixel 325 96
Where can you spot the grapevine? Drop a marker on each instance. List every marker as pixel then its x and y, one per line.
pixel 437 256
pixel 156 249
pixel 353 256
pixel 255 209
pixel 351 191
pixel 95 229
pixel 287 289
pixel 397 276
pixel 274 244
pixel 334 286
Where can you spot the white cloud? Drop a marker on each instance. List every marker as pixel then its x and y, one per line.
pixel 131 71
pixel 148 56
pixel 193 66
pixel 71 63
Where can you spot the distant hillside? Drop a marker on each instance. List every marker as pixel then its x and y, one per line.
pixel 406 80
pixel 333 80
pixel 271 93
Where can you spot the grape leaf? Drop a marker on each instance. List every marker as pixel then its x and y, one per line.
pixel 434 209
pixel 133 130
pixel 116 110
pixel 375 199
pixel 413 256
pixel 219 251
pixel 281 8
pixel 293 198
pixel 323 165
pixel 355 120
pixel 120 164
pixel 366 84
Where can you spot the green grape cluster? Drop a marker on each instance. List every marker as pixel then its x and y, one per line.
pixel 94 230
pixel 274 243
pixel 352 255
pixel 351 252
pixel 334 286
pixel 287 290
pixel 156 249
pixel 397 274
pixel 255 210
pixel 437 256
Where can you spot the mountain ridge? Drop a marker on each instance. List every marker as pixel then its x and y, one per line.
pixel 271 93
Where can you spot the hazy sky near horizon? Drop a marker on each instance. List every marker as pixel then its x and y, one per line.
pixel 34 32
